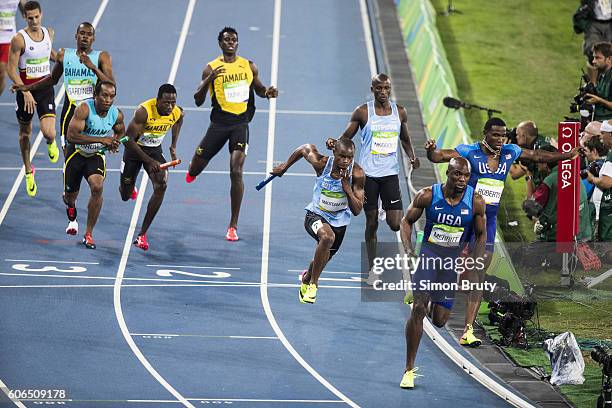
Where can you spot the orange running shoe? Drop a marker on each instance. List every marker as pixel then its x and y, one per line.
pixel 231 235
pixel 88 241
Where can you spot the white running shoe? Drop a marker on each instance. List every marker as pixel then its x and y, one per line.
pixel 72 228
pixel 373 277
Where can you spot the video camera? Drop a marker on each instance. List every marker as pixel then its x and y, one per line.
pixel 604 358
pixel 585 88
pixel 509 311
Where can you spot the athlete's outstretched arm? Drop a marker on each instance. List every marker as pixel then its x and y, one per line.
pixel 49 80
pixel 176 129
pixel 134 131
pixel 480 226
pixel 405 138
pixel 421 200
pixel 258 86
pixel 354 193
pixel 208 76
pixel 436 155
pixel 77 125
pixel 543 156
pixel 308 152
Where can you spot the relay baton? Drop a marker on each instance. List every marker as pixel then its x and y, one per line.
pixel 172 163
pixel 122 140
pixel 265 181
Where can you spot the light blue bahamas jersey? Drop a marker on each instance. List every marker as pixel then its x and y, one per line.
pixel 379 142
pixel 329 199
pixel 97 126
pixel 490 185
pixel 78 79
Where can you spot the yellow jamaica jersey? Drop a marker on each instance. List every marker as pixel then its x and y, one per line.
pixel 157 126
pixel 231 92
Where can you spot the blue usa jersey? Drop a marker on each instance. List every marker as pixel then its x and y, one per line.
pixel 490 185
pixel 448 225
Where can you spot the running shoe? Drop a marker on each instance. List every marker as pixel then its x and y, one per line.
pixel 88 241
pixel 53 152
pixel 310 296
pixel 134 193
pixel 409 298
pixel 468 338
pixel 372 277
pixel 141 242
pixel 231 234
pixel 72 228
pixel 30 183
pixel 189 178
pixel 71 212
pixel 408 378
pixel 303 287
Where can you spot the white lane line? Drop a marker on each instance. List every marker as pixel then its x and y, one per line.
pixel 33 275
pixel 60 262
pixel 265 250
pixel 194 109
pixel 130 234
pixel 225 172
pixel 297 401
pixel 206 336
pixel 203 400
pixel 456 357
pixel 18 180
pixel 170 285
pixel 194 267
pixel 332 272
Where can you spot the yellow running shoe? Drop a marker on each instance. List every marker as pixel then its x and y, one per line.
pixel 302 292
pixel 408 378
pixel 409 298
pixel 468 338
pixel 53 152
pixel 311 294
pixel 30 183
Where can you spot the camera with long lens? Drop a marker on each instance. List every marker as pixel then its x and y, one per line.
pixel 509 311
pixel 592 168
pixel 604 358
pixel 580 98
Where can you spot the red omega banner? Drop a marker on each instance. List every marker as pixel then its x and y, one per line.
pixel 568 184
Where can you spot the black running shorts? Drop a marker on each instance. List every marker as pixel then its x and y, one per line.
pixel 45 104
pixel 131 164
pixel 78 166
pixel 314 221
pixel 387 188
pixel 216 136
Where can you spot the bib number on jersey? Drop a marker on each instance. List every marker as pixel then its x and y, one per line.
pixel 384 142
pixel 79 89
pixel 7 21
pixel 490 189
pixel 332 201
pixel 150 140
pixel 37 67
pixel 446 235
pixel 236 92
pixel 90 148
